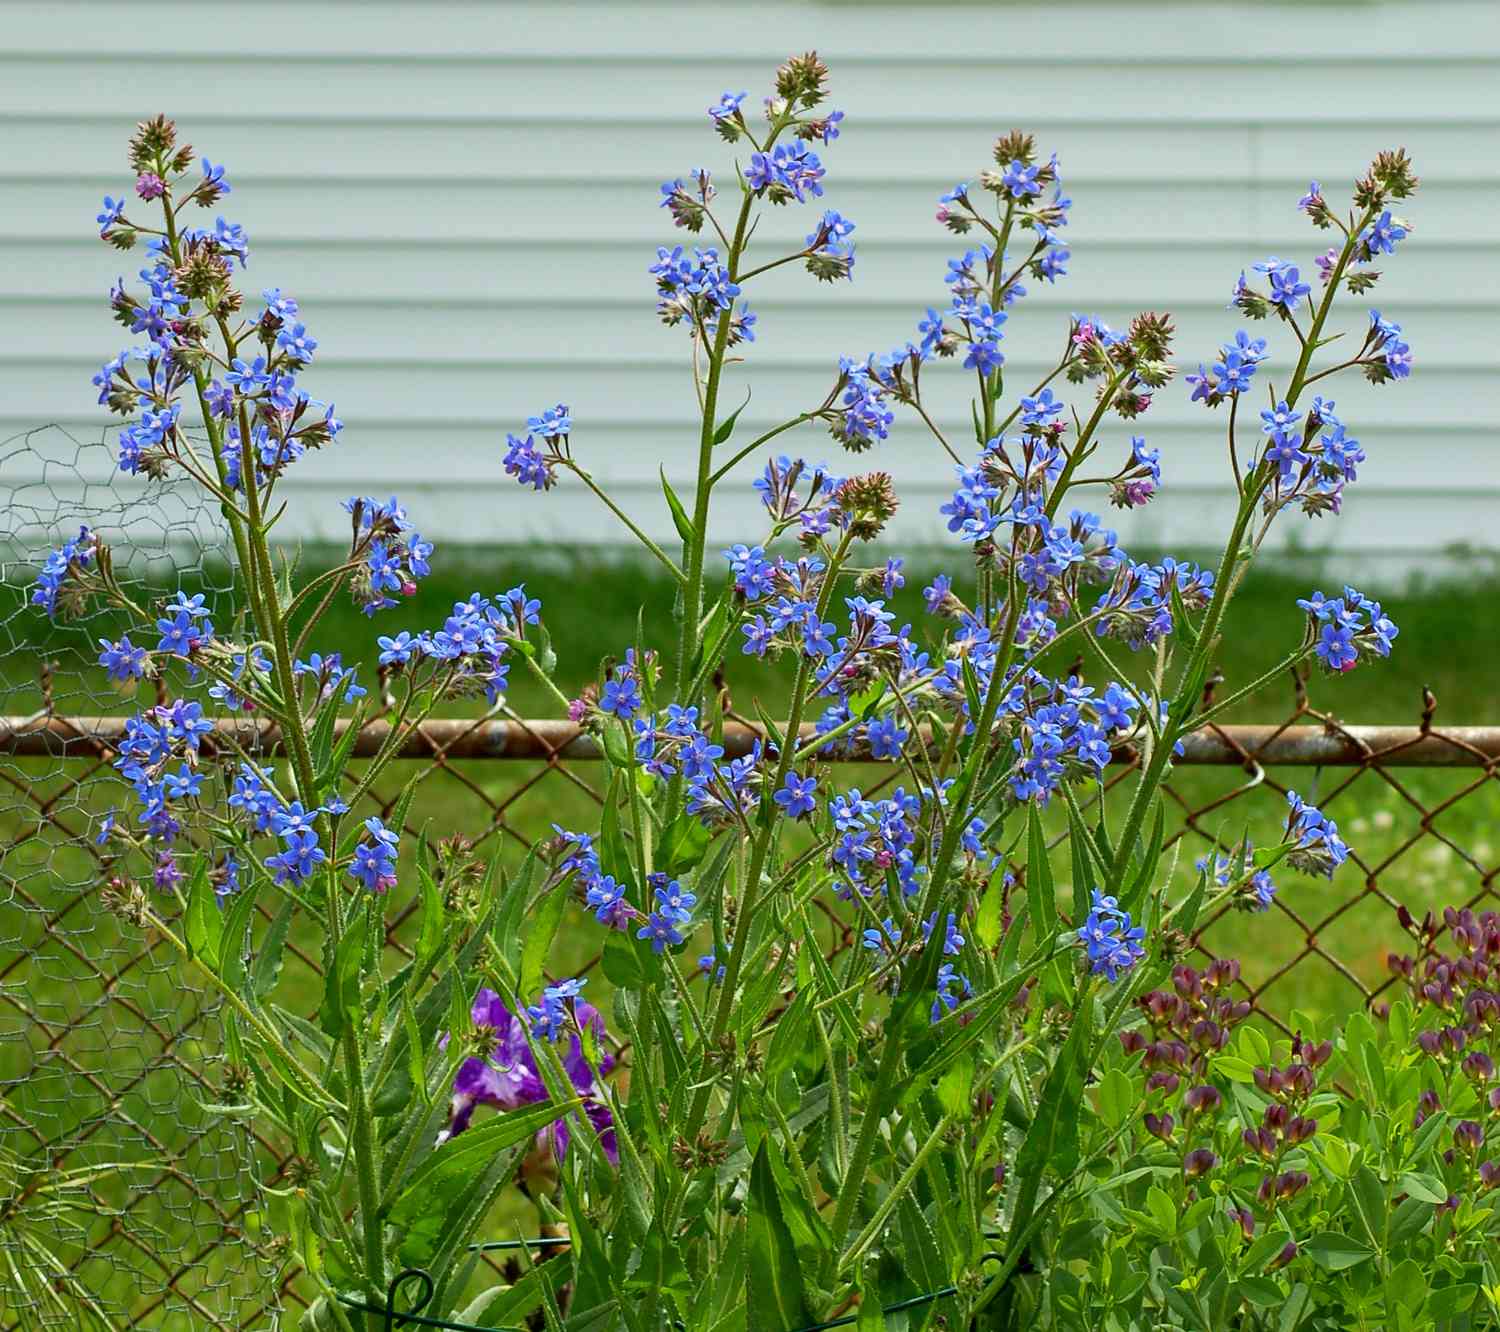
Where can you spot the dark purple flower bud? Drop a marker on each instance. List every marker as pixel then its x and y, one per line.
pixel 1245 1219
pixel 1277 1116
pixel 1000 1174
pixel 1468 1136
pixel 1287 1254
pixel 1291 1183
pixel 1166 1083
pixel 1479 1066
pixel 1489 1174
pixel 1221 972
pixel 1301 1129
pixel 1132 1042
pixel 1494 1099
pixel 1315 1056
pixel 1198 1162
pixel 1202 1100
pixel 1159 1126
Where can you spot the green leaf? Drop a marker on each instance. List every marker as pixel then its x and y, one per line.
pixel 790 1037
pixel 1040 890
pixel 430 940
pixel 1447 1301
pixel 1334 1252
pixel 236 939
pixel 920 1254
pixel 680 520
pixel 1295 1309
pixel 1407 1284
pixel 203 925
pixel 623 962
pixel 726 427
pixel 1051 1143
pixel 1428 1188
pixel 774 1297
pixel 541 930
pixel 1371 1204
pixel 683 845
pixel 1261 1291
pixel 439 1183
pixel 988 921
pixel 955 1088
pixel 341 984
pixel 1116 1098
pixel 266 969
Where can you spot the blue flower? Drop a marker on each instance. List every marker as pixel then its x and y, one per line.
pixel 1381 235
pixel 727 107
pixel 1111 943
pixel 110 214
pixel 1316 847
pixel 796 796
pixel 1287 287
pixel 662 930
pixel 374 863
pixel 213 178
pixel 300 858
pixel 123 660
pixel 952 988
pixel 297 342
pixel 886 736
pixel 621 697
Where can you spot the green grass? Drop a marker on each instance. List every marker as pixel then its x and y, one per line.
pixel 1449 643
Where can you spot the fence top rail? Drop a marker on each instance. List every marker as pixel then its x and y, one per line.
pixel 1284 745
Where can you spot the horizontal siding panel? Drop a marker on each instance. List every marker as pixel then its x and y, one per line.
pixel 651 391
pixel 1102 146
pixel 1288 34
pixel 463 196
pixel 902 90
pixel 392 457
pixel 1144 273
pixel 809 331
pixel 498 211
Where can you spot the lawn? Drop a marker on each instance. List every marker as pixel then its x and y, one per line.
pixel 60 1082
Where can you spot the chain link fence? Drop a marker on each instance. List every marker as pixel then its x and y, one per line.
pixel 128 1200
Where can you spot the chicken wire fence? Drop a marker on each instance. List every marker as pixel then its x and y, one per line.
pixel 128 1198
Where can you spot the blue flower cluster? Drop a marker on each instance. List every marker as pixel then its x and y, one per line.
pixel 1137 606
pixel 874 844
pixel 374 863
pixel 1063 732
pixel 1111 942
pixel 155 739
pixel 1316 847
pixel 696 289
pixel 672 918
pixel 1386 342
pixel 1348 628
pixel 472 645
pixel 187 277
pixel 813 510
pixel 789 171
pixel 534 464
pixel 550 1018
pixel 393 554
pixel 184 627
pixel 1255 890
pixel 62 567
pixel 666 925
pixel 1232 373
pixel 830 254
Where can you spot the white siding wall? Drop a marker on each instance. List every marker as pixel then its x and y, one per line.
pixel 463 197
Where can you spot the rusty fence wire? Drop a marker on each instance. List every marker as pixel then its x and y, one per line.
pixel 109 1060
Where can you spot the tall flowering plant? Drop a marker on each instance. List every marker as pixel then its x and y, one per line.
pixel 728 1124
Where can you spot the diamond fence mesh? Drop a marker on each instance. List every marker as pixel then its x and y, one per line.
pixel 130 1200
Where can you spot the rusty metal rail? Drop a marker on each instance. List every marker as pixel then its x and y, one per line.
pixel 1270 746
